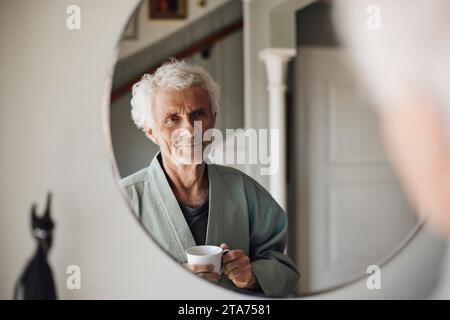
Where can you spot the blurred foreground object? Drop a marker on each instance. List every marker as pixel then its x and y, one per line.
pixel 36 282
pixel 401 52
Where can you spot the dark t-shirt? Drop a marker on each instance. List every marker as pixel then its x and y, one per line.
pixel 197 220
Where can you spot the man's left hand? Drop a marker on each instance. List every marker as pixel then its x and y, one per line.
pixel 238 268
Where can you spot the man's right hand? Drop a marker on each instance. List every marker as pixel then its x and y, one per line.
pixel 204 271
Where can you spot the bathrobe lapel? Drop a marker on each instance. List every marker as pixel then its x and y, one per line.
pixel 171 209
pixel 215 214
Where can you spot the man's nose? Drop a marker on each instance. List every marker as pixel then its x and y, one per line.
pixel 188 127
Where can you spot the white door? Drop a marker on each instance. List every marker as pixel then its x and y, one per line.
pixel 350 209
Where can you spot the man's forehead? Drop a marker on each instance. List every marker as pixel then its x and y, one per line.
pixel 170 99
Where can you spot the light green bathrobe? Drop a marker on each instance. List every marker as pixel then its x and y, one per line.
pixel 241 213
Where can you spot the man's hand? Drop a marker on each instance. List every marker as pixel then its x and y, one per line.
pixel 238 268
pixel 204 271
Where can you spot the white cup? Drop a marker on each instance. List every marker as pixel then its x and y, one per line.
pixel 207 255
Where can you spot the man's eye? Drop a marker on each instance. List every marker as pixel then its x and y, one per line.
pixel 198 114
pixel 172 119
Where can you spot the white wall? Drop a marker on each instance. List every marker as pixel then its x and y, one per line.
pixel 51 138
pixel 151 31
pixel 52 83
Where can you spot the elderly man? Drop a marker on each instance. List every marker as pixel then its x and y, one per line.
pixel 184 202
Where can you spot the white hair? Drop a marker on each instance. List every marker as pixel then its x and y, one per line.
pixel 177 74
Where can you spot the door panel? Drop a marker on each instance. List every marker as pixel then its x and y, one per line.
pixel 351 211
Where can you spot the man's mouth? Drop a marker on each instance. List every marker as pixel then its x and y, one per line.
pixel 190 145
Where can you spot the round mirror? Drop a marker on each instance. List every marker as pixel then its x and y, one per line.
pixel 280 192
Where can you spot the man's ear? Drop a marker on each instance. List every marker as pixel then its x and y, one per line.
pixel 150 135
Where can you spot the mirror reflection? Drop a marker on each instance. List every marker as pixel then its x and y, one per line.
pixel 264 182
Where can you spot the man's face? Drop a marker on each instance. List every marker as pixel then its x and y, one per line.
pixel 174 114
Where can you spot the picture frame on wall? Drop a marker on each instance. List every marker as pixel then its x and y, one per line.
pixel 167 9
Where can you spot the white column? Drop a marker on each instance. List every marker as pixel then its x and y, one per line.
pixel 276 61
